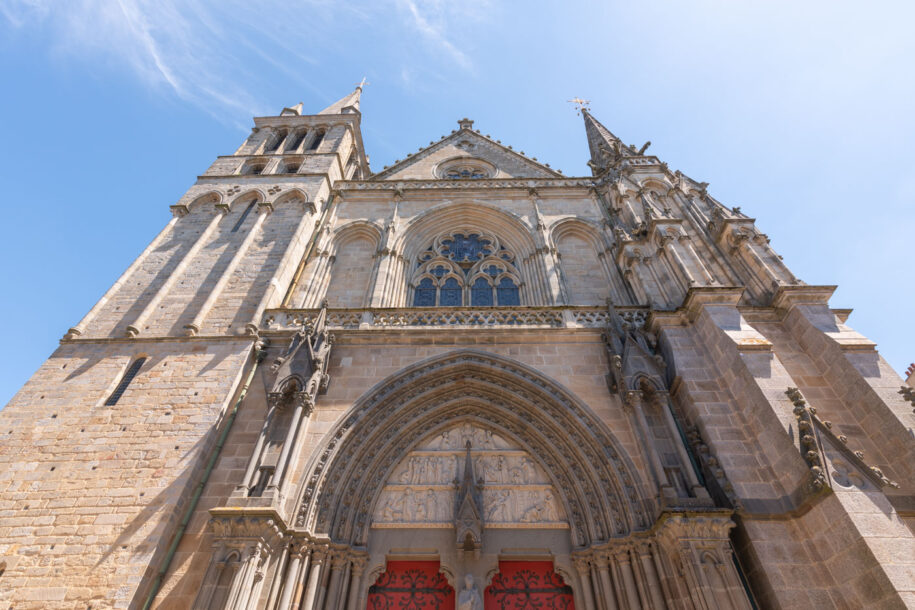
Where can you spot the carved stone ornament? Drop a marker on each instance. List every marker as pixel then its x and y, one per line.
pixel 633 356
pixel 596 484
pixel 301 372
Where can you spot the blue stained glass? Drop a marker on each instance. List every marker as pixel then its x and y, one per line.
pixel 439 270
pixel 507 292
pixel 492 270
pixel 424 296
pixel 450 295
pixel 481 293
pixel 462 247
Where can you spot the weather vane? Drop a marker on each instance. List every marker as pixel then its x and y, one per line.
pixel 363 83
pixel 580 104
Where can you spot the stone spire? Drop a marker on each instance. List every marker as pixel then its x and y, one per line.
pixel 468 513
pixel 348 104
pixel 606 149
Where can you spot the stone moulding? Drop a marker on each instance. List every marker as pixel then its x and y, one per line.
pixel 346 475
pixel 453 317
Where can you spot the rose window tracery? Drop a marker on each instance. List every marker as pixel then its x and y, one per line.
pixel 465 169
pixel 466 268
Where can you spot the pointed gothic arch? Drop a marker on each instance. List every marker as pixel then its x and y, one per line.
pixel 471 217
pixel 597 484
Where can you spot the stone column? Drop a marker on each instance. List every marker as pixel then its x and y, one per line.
pixel 298 564
pixel 355 584
pixel 667 409
pixel 136 327
pixel 621 558
pixel 313 585
pixel 584 575
pixel 603 570
pixel 337 567
pixel 651 576
pixel 80 328
pixel 291 434
pixel 278 576
pixel 256 454
pixel 196 324
pixel 634 400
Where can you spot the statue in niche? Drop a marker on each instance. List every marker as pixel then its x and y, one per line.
pixel 469 598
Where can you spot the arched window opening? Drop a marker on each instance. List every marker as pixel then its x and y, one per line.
pixel 129 374
pixel 255 168
pixel 244 215
pixel 466 268
pixel 291 166
pixel 425 294
pixel 316 141
pixel 275 141
pixel 450 294
pixel 508 292
pixel 481 293
pixel 295 140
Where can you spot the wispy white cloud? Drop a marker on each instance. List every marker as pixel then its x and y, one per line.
pixel 428 19
pixel 213 53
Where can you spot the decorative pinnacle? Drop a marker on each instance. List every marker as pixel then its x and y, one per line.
pixel 362 84
pixel 465 123
pixel 580 104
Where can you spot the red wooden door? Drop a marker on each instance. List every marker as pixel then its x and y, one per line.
pixel 411 585
pixel 528 585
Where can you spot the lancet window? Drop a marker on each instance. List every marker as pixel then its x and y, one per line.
pixel 466 268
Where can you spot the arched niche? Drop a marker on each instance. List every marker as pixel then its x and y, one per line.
pixel 590 276
pixel 354 246
pixel 597 488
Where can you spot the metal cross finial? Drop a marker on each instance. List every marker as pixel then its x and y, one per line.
pixel 580 104
pixel 363 83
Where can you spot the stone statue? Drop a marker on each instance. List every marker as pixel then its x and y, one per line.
pixel 469 598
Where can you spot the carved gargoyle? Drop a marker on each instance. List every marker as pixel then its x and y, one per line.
pixel 301 372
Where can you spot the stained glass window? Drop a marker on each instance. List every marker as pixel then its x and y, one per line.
pixel 481 293
pixel 508 292
pixel 425 294
pixel 451 272
pixel 460 247
pixel 450 295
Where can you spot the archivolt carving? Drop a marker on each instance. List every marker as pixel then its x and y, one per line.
pixel 598 490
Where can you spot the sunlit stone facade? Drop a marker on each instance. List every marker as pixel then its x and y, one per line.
pixel 466 380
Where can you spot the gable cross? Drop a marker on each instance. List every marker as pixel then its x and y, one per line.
pixel 363 83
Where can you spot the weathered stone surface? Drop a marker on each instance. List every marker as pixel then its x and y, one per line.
pixel 635 447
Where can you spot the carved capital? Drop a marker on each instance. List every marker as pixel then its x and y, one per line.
pixel 179 210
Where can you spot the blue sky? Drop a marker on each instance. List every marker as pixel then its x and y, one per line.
pixel 799 112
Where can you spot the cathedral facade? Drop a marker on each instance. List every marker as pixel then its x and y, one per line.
pixel 464 381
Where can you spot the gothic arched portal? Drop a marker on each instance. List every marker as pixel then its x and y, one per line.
pixel 596 483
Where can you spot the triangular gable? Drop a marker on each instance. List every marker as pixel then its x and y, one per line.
pixel 500 161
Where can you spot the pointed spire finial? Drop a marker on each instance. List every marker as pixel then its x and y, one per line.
pixel 361 85
pixel 580 104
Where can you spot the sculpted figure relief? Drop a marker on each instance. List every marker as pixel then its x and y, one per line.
pixel 469 598
pixel 421 489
